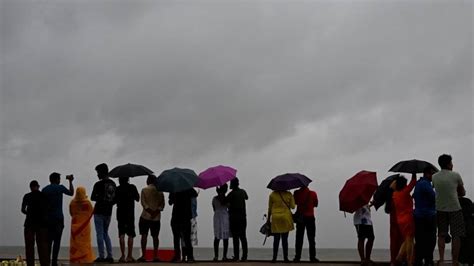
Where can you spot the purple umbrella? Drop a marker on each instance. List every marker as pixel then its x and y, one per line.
pixel 288 181
pixel 216 176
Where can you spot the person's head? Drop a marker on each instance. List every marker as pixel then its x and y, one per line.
pixel 428 172
pixel 234 183
pixel 445 161
pixel 123 180
pixel 401 182
pixel 222 189
pixel 151 180
pixel 34 186
pixel 54 178
pixel 102 171
pixel 80 194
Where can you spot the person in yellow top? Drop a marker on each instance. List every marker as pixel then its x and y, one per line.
pixel 280 204
pixel 81 210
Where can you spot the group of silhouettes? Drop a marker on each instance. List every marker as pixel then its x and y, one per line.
pixel 437 207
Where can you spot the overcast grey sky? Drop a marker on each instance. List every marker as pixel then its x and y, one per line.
pixel 268 87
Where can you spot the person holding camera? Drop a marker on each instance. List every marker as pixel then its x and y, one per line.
pixel 54 194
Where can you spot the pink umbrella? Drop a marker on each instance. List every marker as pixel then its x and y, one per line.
pixel 216 176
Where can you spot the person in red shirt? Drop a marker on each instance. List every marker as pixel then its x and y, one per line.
pixel 306 200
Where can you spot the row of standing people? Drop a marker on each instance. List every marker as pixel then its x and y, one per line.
pixel 438 201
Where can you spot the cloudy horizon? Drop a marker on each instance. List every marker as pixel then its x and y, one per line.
pixel 325 88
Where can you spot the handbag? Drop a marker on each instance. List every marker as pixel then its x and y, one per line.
pixel 266 229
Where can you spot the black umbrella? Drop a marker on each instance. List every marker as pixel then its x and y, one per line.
pixel 130 170
pixel 383 194
pixel 176 180
pixel 288 181
pixel 412 166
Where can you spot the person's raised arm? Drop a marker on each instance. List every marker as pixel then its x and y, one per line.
pixel 412 183
pixel 316 200
pixel 94 194
pixel 70 192
pixel 136 196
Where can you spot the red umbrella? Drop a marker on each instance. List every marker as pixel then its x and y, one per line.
pixel 357 191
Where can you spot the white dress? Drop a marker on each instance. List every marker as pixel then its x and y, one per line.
pixel 221 220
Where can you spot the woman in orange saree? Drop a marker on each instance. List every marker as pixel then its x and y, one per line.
pixel 81 210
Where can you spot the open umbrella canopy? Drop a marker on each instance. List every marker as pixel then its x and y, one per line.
pixel 129 170
pixel 383 194
pixel 288 181
pixel 357 191
pixel 216 176
pixel 176 180
pixel 411 166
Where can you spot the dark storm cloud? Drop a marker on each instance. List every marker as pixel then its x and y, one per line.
pixel 176 82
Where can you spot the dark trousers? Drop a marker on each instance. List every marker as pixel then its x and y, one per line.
pixel 238 229
pixel 309 223
pixel 284 244
pixel 182 230
pixel 425 240
pixel 216 247
pixel 55 232
pixel 40 235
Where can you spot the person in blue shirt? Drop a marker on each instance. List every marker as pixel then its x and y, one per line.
pixel 54 195
pixel 425 219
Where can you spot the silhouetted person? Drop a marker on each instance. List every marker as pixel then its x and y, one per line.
pixel 103 194
pixel 448 185
pixel 34 206
pixel 306 200
pixel 126 195
pixel 466 254
pixel 153 202
pixel 425 219
pixel 181 223
pixel 238 218
pixel 54 193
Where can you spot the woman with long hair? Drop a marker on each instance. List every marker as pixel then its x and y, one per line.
pixel 81 211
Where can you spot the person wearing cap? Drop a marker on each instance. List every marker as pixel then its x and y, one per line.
pixel 34 206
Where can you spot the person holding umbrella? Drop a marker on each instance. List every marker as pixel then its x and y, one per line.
pixel 280 204
pixel 126 195
pixel 181 223
pixel 403 206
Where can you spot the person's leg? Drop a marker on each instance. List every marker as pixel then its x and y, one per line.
pixel 284 244
pixel 360 249
pixel 176 241
pixel 99 230
pixel 458 230
pixel 57 242
pixel 368 248
pixel 276 243
pixel 186 230
pixel 143 245
pixel 430 240
pixel 420 241
pixel 442 219
pixel 216 248
pixel 29 234
pixel 42 242
pixel 155 232
pixel 410 250
pixel 235 244
pixel 243 239
pixel 108 243
pixel 299 240
pixel 310 224
pixel 226 247
pixel 395 239
pixel 122 248
pixel 130 249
